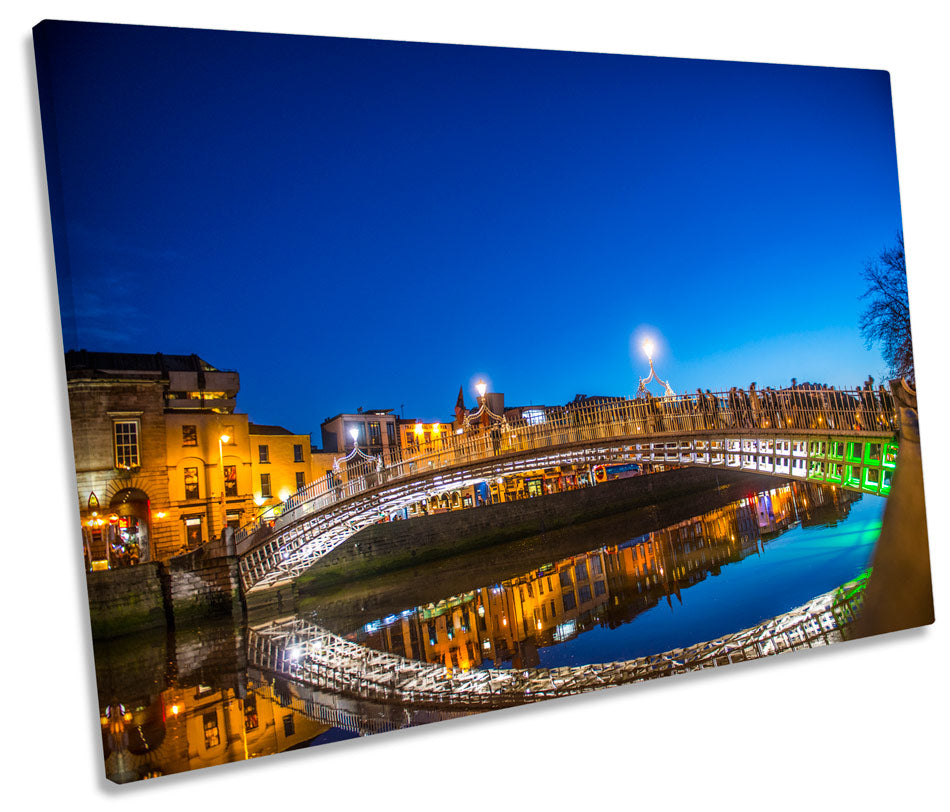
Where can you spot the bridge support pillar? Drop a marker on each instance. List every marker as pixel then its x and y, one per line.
pixel 900 593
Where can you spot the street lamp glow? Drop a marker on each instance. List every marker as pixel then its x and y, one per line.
pixel 481 387
pixel 419 428
pixel 648 348
pixel 225 438
pixel 354 433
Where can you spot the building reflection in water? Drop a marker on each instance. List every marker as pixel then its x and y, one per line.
pixel 186 728
pixel 505 625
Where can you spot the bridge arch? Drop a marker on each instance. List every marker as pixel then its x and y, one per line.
pixel 794 440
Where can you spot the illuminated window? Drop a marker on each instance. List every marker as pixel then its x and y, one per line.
pixel 126 443
pixel 212 738
pixel 533 416
pixel 189 435
pixel 250 712
pixel 263 453
pixel 375 434
pixel 191 483
pixel 230 480
pixel 193 536
pixel 265 485
pixel 300 480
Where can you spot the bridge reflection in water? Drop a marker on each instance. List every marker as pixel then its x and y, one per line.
pixel 843 438
pixel 225 695
pixel 434 655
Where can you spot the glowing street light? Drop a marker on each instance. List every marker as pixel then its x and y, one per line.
pixel 481 387
pixel 648 349
pixel 354 433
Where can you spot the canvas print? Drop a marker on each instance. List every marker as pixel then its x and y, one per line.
pixel 414 381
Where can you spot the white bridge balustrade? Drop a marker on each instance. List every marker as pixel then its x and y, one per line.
pixel 846 438
pixel 312 656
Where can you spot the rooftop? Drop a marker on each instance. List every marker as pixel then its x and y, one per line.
pixel 78 360
pixel 254 428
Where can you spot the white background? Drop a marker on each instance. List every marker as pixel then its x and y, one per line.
pixel 861 723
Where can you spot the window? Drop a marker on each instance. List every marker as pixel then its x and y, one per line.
pixel 298 452
pixel 580 571
pixel 391 433
pixel 189 435
pixel 569 602
pixel 375 433
pixel 126 443
pixel 210 720
pixel 250 712
pixel 193 537
pixel 230 480
pixel 191 483
pixel 263 453
pixel 565 576
pixel 583 594
pixel 301 480
pixel 229 430
pixel 599 588
pixel 289 725
pixel 265 484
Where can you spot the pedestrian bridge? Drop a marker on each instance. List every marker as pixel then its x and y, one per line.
pixel 846 438
pixel 318 660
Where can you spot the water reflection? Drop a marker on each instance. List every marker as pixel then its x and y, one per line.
pixel 528 620
pixel 177 701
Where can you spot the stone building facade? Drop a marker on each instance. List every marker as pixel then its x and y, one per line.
pixel 146 432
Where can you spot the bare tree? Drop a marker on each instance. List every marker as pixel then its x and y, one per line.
pixel 886 320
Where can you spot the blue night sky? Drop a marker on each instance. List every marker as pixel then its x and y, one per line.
pixel 360 223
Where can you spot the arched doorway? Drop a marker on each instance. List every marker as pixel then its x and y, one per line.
pixel 128 534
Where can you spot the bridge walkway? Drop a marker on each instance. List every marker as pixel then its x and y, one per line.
pixel 843 438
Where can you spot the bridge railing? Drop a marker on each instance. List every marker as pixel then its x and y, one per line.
pixel 642 420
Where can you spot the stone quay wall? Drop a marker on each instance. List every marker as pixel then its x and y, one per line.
pixel 125 601
pixel 180 593
pixel 396 545
pixel 202 587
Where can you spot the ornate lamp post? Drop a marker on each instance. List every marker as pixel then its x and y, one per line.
pixel 642 389
pixel 483 409
pixel 356 453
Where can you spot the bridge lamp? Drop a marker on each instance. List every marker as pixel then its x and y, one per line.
pixel 648 348
pixel 354 433
pixel 481 387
